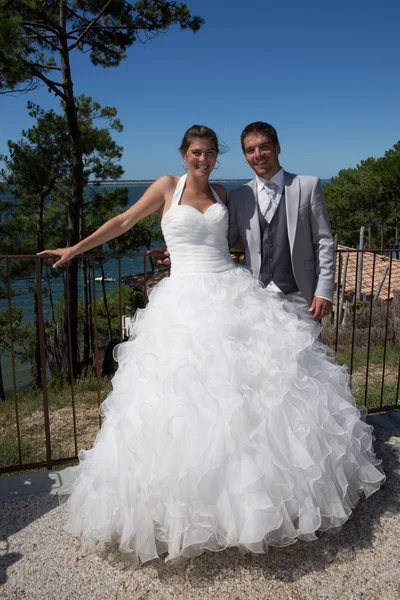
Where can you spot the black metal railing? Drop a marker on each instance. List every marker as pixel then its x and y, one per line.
pixel 364 329
pixel 45 426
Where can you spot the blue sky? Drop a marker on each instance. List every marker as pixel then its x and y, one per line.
pixel 325 75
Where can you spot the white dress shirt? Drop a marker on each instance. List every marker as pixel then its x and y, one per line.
pixel 269 194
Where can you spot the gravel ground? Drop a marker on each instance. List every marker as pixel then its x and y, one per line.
pixel 39 561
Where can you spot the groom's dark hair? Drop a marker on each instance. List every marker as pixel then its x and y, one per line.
pixel 261 128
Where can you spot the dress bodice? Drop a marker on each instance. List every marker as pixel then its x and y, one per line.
pixel 197 242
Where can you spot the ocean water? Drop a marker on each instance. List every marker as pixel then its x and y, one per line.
pixel 24 301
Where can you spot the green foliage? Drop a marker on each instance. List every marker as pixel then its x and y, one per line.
pixel 144 233
pixel 31 36
pixel 38 171
pixel 17 268
pixel 131 301
pixel 16 315
pixel 369 196
pixel 23 335
pixel 6 330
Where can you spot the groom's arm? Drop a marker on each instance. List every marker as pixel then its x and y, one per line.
pixel 323 244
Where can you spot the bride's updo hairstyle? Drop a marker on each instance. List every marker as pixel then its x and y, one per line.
pixel 198 132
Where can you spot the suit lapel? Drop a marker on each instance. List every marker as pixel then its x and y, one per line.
pixel 253 214
pixel 292 199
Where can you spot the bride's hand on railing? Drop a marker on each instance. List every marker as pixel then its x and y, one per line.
pixel 59 256
pixel 161 255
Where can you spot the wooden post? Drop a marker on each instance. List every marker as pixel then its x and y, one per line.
pixel 382 281
pixel 335 265
pixel 336 241
pixel 360 264
pixel 346 312
pixel 341 301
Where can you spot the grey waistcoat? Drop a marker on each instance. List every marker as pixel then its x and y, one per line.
pixel 276 264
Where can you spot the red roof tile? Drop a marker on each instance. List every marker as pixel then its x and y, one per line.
pixel 370 279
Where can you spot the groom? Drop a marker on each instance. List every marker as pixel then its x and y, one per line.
pixel 282 222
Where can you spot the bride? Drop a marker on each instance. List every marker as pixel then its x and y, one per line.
pixel 227 425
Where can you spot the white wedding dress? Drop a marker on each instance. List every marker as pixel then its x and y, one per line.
pixel 227 424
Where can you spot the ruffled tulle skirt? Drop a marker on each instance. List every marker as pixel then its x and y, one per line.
pixel 227 425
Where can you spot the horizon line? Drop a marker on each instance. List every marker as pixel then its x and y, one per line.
pixel 117 181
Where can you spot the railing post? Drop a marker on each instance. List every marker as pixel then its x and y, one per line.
pixel 354 315
pixel 71 367
pixel 120 299
pixel 145 280
pixel 386 328
pixel 371 308
pixel 42 343
pixel 14 377
pixel 96 338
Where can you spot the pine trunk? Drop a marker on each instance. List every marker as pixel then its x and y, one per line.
pixel 37 363
pixel 85 282
pixel 74 207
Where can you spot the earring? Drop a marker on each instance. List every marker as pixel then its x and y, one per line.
pixel 215 168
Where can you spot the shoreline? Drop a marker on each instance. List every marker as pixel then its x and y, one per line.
pixel 133 182
pixel 148 181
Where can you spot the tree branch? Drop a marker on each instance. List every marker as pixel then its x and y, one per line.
pixel 43 37
pixel 77 16
pixel 42 26
pixel 35 35
pixel 46 67
pixel 29 88
pixel 76 30
pixel 91 24
pixel 108 27
pixel 51 185
pixel 51 84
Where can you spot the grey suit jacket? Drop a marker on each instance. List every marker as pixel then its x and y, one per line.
pixel 310 238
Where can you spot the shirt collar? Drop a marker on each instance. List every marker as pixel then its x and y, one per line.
pixel 277 179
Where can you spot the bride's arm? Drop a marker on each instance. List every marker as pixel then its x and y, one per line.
pixel 152 200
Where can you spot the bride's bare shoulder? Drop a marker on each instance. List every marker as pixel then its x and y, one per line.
pixel 167 182
pixel 166 186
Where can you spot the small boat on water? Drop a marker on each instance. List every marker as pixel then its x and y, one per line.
pixel 106 279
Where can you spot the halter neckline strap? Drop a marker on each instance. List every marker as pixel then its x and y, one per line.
pixel 181 186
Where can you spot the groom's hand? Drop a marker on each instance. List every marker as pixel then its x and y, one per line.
pixel 160 255
pixel 321 308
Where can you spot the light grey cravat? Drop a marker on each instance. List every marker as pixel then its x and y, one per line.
pixel 271 186
pixel 272 191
